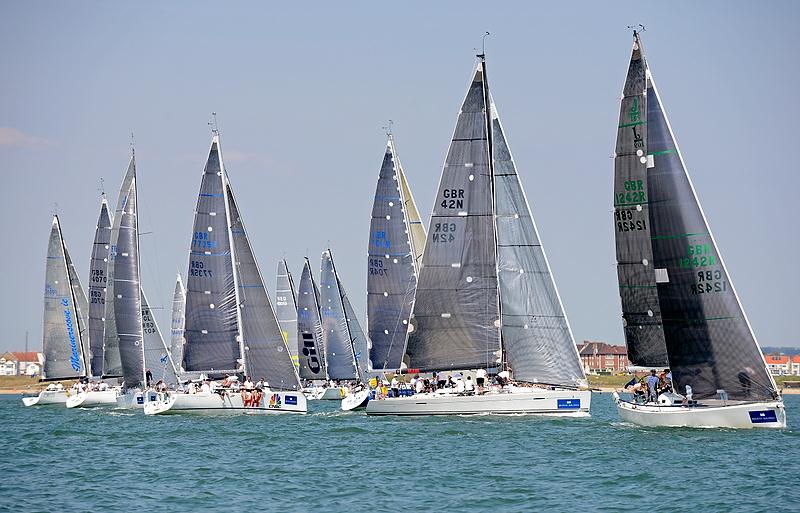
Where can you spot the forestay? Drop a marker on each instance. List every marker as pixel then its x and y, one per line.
pixel 457 313
pixel 537 339
pixel 265 351
pixel 286 309
pixel 391 276
pixel 98 281
pixel 309 327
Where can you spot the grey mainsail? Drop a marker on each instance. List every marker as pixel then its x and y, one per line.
pixel 212 320
pixel 157 358
pixel 709 342
pixel 391 275
pixel 641 314
pixel 265 352
pixel 309 327
pixel 178 320
pixel 537 340
pixel 456 316
pixel 63 346
pixel 286 309
pixel 112 364
pixel 127 299
pixel 336 337
pixel 98 280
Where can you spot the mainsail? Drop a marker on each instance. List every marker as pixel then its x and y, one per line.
pixel 178 320
pixel 64 349
pixel 265 352
pixel 392 259
pixel 309 327
pixel 112 364
pixel 212 333
pixel 336 337
pixel 456 316
pixel 98 281
pixel 286 309
pixel 709 342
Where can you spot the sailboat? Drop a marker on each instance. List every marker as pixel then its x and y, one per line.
pixel 178 321
pixel 679 307
pixel 286 309
pixel 313 366
pixel 485 297
pixel 344 340
pixel 396 243
pixel 230 325
pixel 64 336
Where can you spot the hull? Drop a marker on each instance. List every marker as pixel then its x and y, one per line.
pixel 324 393
pixel 135 398
pixel 356 401
pixel 46 397
pixel 767 414
pixel 92 399
pixel 170 403
pixel 569 403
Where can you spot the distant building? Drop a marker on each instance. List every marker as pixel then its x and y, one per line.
pixel 602 357
pixel 783 365
pixel 14 363
pixel 795 365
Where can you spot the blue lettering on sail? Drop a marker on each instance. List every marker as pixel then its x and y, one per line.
pixel 763 416
pixel 291 399
pixel 74 359
pixel 568 404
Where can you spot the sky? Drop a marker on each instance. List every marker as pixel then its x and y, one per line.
pixel 303 89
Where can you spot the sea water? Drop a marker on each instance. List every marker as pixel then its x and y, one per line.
pixel 54 459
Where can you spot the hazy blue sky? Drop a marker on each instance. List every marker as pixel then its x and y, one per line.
pixel 302 94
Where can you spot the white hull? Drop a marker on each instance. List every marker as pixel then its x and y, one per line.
pixel 46 397
pixel 767 414
pixel 356 401
pixel 168 403
pixel 517 400
pixel 324 393
pixel 135 398
pixel 92 399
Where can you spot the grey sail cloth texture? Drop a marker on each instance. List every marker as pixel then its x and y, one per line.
pixel 641 314
pixel 112 364
pixel 178 319
pixel 456 315
pixel 309 327
pixel 537 339
pixel 157 358
pixel 286 309
pixel 265 352
pixel 82 309
pixel 709 343
pixel 98 281
pixel 360 343
pixel 211 329
pixel 391 274
pixel 61 337
pixel 336 337
pixel 128 293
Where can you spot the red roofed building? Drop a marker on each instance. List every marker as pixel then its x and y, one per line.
pixel 795 365
pixel 602 357
pixel 778 364
pixel 13 363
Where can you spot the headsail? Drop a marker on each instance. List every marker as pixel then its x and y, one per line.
pixel 457 310
pixel 98 281
pixel 641 314
pixel 336 337
pixel 82 309
pixel 416 227
pixel 392 276
pixel 709 342
pixel 309 327
pixel 63 347
pixel 178 320
pixel 212 325
pixel 157 357
pixel 265 352
pixel 286 309
pixel 112 365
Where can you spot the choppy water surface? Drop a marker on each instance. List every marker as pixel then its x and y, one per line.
pixel 54 459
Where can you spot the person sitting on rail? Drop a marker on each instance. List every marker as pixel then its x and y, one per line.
pixel 469 386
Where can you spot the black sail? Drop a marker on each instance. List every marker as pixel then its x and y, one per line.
pixel 98 281
pixel 641 313
pixel 456 320
pixel 211 328
pixel 265 352
pixel 309 327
